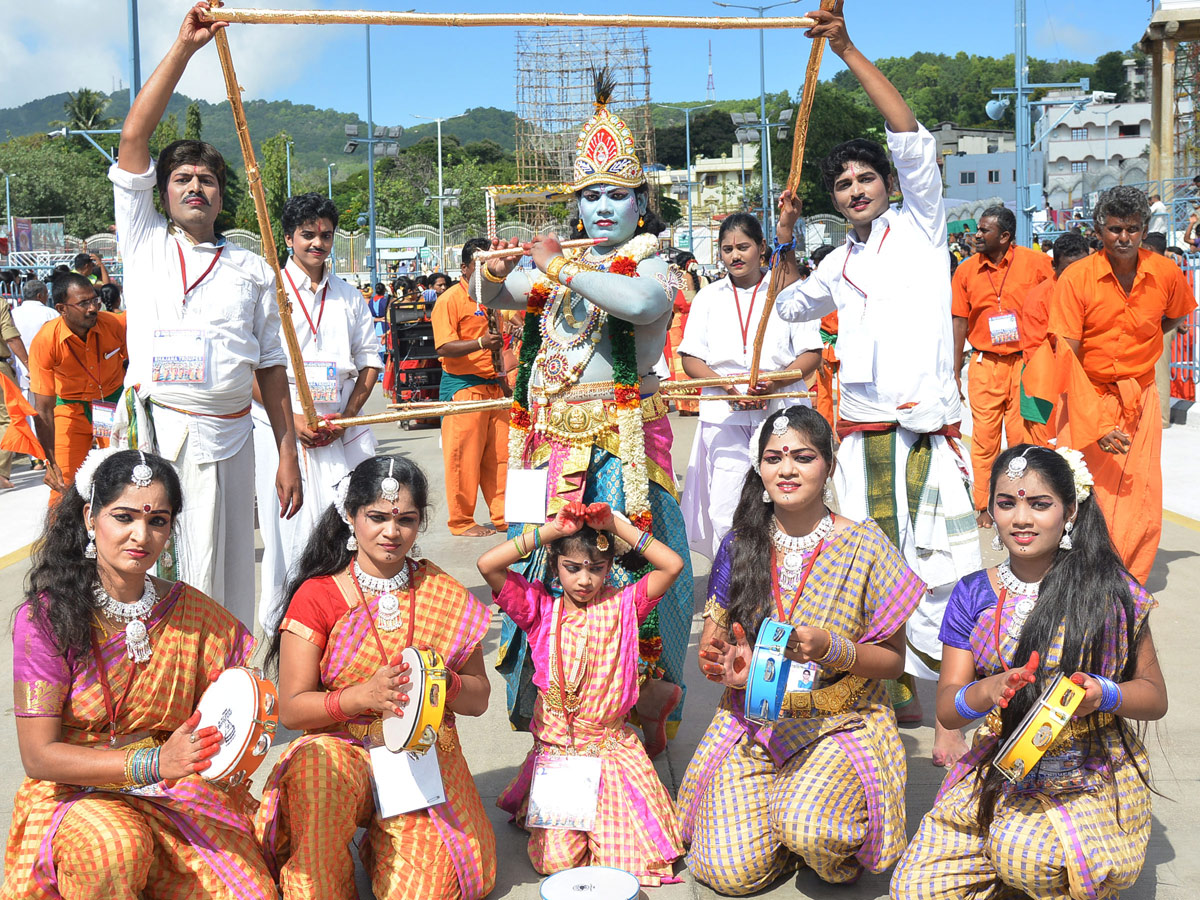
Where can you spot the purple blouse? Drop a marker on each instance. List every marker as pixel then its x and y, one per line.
pixel 970 599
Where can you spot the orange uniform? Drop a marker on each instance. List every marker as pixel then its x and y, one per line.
pixel 824 387
pixel 1120 338
pixel 77 374
pixel 991 298
pixel 1035 319
pixel 474 445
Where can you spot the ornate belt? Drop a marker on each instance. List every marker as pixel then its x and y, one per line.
pixel 590 390
pixel 827 701
pixel 574 421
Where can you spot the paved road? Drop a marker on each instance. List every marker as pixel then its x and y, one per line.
pixel 494 751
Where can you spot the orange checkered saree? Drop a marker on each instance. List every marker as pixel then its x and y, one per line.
pixel 320 791
pixel 192 839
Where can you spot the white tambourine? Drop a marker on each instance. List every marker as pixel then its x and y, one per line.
pixel 242 705
pixel 599 882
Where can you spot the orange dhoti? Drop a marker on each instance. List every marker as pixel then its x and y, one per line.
pixel 73 439
pixel 1128 486
pixel 475 455
pixel 994 389
pixel 826 374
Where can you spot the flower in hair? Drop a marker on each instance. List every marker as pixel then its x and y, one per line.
pixel 339 500
pixel 1079 472
pixel 86 473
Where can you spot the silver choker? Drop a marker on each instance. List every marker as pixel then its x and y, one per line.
pixel 386 591
pixel 791 549
pixel 137 637
pixel 1026 593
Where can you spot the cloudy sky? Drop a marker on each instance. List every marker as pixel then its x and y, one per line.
pixel 62 45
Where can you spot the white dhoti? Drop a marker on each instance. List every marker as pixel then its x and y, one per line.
pixel 716 472
pixel 321 468
pixel 941 546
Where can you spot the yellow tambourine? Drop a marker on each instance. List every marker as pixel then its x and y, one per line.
pixel 418 729
pixel 1039 729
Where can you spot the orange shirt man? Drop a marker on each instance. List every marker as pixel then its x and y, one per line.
pixel 76 370
pixel 988 294
pixel 474 445
pixel 1111 310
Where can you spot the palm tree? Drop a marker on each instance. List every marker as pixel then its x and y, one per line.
pixel 85 111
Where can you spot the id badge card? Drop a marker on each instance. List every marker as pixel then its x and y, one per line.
pixel 1003 328
pixel 180 356
pixel 564 793
pixel 803 677
pixel 322 380
pixel 403 782
pixel 102 419
pixel 525 496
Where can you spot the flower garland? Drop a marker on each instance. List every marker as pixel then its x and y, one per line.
pixel 632 446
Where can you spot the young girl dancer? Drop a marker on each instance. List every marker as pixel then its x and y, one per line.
pixel 824 785
pixel 1076 825
pixel 584 639
pixel 719 340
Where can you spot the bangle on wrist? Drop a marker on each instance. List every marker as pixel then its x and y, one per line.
pixel 1110 694
pixel 567 273
pixel 453 686
pixel 487 273
pixel 555 267
pixel 333 706
pixel 963 708
pixel 841 655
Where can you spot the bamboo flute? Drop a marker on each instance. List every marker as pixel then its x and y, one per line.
pixel 799 139
pixel 485 20
pixel 254 180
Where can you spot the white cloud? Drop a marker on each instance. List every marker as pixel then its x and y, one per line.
pixel 1062 39
pixel 38 57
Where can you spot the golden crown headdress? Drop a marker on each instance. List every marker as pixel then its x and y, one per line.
pixel 605 151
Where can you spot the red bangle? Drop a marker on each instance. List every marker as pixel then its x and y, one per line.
pixel 333 706
pixel 453 686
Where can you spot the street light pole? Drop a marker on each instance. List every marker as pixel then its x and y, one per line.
pixel 288 148
pixel 135 56
pixel 8 213
pixel 764 156
pixel 441 188
pixel 1106 114
pixel 371 171
pixel 329 172
pixel 687 130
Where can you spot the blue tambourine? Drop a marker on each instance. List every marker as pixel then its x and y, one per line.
pixel 769 669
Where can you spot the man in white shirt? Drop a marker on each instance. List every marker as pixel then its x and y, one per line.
pixel 203 327
pixel 899 460
pixel 29 317
pixel 336 333
pixel 1158 215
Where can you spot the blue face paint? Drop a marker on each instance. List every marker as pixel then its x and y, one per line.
pixel 609 212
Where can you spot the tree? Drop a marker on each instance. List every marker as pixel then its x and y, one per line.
pixel 1109 74
pixel 193 126
pixel 273 170
pixel 85 111
pixel 54 178
pixel 165 133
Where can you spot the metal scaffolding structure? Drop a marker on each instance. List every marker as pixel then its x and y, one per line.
pixel 555 96
pixel 1187 93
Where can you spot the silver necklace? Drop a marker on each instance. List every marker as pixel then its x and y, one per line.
pixel 387 591
pixel 792 548
pixel 1026 593
pixel 137 637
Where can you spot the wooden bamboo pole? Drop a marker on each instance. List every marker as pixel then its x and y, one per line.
pixel 694 384
pixel 799 139
pixel 254 180
pixel 486 20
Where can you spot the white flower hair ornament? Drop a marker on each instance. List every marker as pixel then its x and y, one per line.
pixel 1079 471
pixel 86 473
pixel 339 500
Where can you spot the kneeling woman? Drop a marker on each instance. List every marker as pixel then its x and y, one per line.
pixel 108 666
pixel 1077 824
pixel 824 785
pixel 338 649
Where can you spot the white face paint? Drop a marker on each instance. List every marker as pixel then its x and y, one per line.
pixel 609 212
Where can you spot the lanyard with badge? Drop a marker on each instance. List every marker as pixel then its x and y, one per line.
pixel 1003 325
pixel 745 325
pixel 402 782
pixel 321 373
pixel 180 355
pixel 801 676
pixel 565 790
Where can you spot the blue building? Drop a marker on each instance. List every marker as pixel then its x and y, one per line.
pixel 981 176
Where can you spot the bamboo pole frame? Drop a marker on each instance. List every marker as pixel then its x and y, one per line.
pixel 491 20
pixel 434 409
pixel 799 139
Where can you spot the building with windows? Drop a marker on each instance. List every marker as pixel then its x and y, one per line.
pixel 717 188
pixel 979 176
pixel 1093 149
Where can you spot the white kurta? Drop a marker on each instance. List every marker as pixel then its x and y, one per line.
pixel 203 426
pixel 896 348
pixel 723 337
pixel 334 328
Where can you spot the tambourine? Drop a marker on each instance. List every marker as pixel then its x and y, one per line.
pixel 417 730
pixel 769 668
pixel 241 704
pixel 1039 729
pixel 600 882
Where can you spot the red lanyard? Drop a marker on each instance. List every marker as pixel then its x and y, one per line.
pixel 560 669
pixel 808 567
pixel 303 308
pixel 846 262
pixel 745 325
pixel 412 610
pixel 111 709
pixel 183 270
pixel 1003 281
pixel 999 616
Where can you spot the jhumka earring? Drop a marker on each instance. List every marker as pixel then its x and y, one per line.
pixel 766 496
pixel 641 221
pixel 827 493
pixel 90 550
pixel 1066 543
pixel 996 544
pixel 579 226
pixel 352 541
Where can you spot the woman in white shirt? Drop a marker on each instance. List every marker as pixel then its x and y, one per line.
pixel 719 340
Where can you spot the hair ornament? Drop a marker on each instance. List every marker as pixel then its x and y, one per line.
pixel 1079 471
pixel 339 499
pixel 780 426
pixel 1016 467
pixel 86 473
pixel 142 474
pixel 389 488
pixel 602 543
